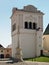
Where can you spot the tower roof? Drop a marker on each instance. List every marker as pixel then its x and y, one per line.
pixel 46 32
pixel 28 8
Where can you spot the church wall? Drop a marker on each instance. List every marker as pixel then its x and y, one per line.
pixel 39 42
pixel 27 42
pixel 46 42
pixel 30 42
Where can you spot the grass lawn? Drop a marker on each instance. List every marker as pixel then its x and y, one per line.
pixel 39 59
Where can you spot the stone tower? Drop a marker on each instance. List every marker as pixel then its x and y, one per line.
pixel 30 21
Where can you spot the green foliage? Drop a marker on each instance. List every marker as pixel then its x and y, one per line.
pixel 39 59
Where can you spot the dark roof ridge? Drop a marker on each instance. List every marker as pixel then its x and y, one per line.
pixel 46 32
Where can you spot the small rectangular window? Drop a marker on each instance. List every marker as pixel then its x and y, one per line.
pixel 13 27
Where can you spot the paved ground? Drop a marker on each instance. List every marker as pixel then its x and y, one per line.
pixel 24 63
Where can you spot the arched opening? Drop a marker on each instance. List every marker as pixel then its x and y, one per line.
pixel 7 56
pixel 1 55
pixel 30 25
pixel 26 24
pixel 34 25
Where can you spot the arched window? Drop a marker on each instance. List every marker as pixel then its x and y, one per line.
pixel 7 55
pixel 26 25
pixel 34 25
pixel 30 25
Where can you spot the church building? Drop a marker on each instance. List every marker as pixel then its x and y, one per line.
pixel 30 22
pixel 46 41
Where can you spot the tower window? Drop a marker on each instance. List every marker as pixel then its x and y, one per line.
pixel 26 24
pixel 30 25
pixel 13 27
pixel 34 25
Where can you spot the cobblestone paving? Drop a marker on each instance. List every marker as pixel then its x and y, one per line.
pixel 25 63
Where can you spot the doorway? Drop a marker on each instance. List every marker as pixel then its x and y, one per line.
pixel 1 55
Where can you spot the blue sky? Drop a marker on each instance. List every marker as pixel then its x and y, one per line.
pixel 6 11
